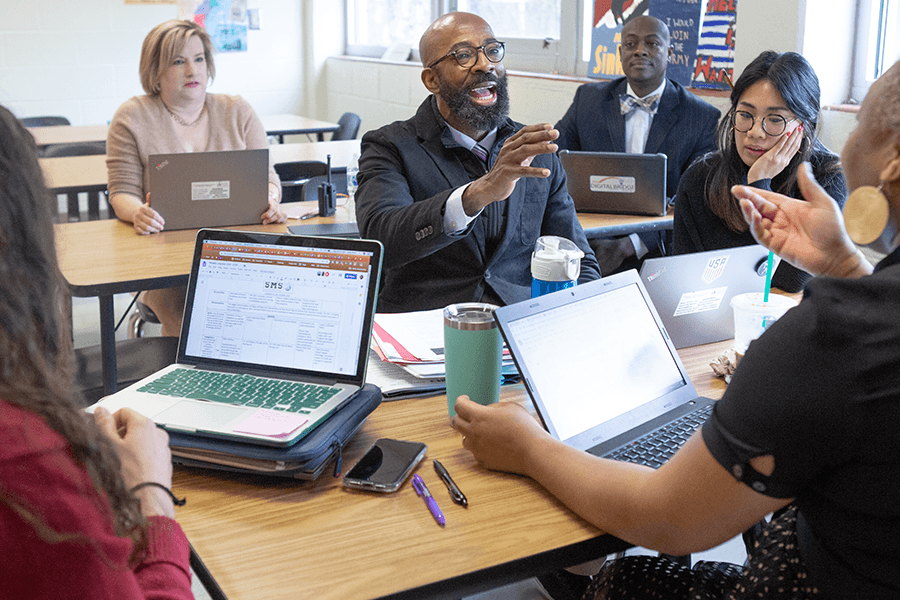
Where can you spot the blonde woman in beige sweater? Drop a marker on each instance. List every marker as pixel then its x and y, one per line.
pixel 176 115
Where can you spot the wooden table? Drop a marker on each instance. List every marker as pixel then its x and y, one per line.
pixel 67 174
pixel 268 538
pixel 131 263
pixel 103 258
pixel 597 225
pixel 275 125
pixel 287 124
pixel 68 134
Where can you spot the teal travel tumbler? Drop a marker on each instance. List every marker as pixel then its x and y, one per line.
pixel 472 353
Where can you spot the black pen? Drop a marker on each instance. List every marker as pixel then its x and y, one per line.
pixel 455 492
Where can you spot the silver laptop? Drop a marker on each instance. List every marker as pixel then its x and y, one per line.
pixel 616 182
pixel 693 292
pixel 275 337
pixel 210 189
pixel 598 364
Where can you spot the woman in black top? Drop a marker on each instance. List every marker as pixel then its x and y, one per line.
pixel 769 131
pixel 807 428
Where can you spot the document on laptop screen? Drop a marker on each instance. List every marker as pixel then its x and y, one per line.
pixel 300 308
pixel 596 359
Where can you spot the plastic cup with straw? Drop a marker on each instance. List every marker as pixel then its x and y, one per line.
pixel 769 263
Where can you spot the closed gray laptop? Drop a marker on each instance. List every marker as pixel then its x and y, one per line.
pixel 210 189
pixel 692 292
pixel 616 182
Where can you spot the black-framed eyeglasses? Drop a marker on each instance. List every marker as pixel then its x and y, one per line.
pixel 772 124
pixel 467 56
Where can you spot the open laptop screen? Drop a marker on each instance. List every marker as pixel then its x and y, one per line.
pixel 296 307
pixel 596 363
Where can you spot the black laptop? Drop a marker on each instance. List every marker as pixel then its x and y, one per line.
pixel 616 182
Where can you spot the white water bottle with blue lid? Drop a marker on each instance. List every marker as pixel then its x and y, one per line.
pixel 555 265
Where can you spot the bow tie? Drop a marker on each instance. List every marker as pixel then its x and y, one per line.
pixel 629 103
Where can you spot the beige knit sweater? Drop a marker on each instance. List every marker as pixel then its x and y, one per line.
pixel 142 126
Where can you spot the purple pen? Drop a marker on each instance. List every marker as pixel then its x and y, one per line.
pixel 422 490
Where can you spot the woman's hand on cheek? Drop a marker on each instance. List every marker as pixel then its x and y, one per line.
pixel 500 436
pixel 778 157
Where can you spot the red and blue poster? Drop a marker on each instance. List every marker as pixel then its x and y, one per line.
pixel 701 33
pixel 714 67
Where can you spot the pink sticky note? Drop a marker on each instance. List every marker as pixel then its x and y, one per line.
pixel 271 423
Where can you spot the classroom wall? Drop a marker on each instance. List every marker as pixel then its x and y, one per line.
pixel 382 92
pixel 79 59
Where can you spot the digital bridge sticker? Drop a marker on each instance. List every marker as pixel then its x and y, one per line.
pixel 612 183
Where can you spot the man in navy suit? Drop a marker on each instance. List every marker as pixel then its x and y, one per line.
pixel 643 112
pixel 459 193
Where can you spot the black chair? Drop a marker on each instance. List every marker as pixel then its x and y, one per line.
pixel 348 127
pixel 44 121
pixel 294 174
pixel 310 189
pixel 96 200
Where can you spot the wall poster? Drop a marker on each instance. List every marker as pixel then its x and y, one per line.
pixel 702 33
pixel 224 20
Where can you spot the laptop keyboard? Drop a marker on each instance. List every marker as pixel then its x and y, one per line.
pixel 242 390
pixel 658 446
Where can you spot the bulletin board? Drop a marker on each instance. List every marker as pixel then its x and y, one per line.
pixel 702 33
pixel 224 20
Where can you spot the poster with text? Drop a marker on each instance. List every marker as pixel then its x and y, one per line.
pixel 714 67
pixel 701 33
pixel 606 34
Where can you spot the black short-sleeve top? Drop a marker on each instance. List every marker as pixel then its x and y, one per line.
pixel 820 392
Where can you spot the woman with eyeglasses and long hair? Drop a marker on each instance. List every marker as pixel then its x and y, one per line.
pixel 85 505
pixel 768 132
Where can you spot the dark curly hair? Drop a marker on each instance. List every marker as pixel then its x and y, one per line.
pixel 36 357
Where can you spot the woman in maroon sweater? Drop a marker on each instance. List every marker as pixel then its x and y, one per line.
pixel 85 506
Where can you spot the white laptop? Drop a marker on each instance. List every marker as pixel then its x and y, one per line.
pixel 275 337
pixel 599 367
pixel 210 189
pixel 692 292
pixel 616 182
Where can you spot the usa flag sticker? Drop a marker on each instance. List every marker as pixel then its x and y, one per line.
pixel 714 269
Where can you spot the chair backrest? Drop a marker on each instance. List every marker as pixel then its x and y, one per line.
pixel 95 200
pixel 310 190
pixel 74 149
pixel 44 121
pixel 349 127
pixel 294 174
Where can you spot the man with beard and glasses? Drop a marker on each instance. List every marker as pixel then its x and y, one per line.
pixel 643 112
pixel 459 193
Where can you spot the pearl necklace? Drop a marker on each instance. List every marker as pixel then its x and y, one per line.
pixel 181 121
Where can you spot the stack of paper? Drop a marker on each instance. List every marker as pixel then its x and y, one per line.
pixel 414 341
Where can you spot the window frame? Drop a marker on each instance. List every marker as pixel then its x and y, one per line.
pixel 870 40
pixel 557 56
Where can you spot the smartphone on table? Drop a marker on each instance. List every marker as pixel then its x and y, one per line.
pixel 385 466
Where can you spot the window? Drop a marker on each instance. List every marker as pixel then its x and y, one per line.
pixel 540 35
pixel 877 47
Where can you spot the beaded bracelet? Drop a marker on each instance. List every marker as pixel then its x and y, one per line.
pixel 175 501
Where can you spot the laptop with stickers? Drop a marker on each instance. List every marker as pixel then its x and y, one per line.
pixel 210 189
pixel 692 292
pixel 616 182
pixel 275 337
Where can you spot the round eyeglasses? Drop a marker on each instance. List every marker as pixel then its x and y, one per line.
pixel 467 56
pixel 772 124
